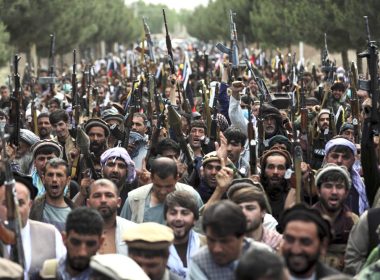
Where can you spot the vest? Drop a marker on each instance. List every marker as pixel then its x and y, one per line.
pixel 41 234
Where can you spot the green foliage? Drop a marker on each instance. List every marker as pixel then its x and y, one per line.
pixel 4 49
pixel 74 22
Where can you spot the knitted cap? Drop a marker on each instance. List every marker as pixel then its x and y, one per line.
pixel 99 123
pixel 329 167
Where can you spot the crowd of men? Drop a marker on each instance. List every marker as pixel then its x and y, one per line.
pixel 137 172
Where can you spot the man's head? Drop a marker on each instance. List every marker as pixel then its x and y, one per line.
pixel 324 120
pixel 181 213
pixel 338 90
pixel 24 201
pixel 224 224
pixel 83 237
pixel 59 120
pixel 197 133
pixel 168 148
pixel 340 151
pixel 306 235
pixel 43 125
pixel 148 245
pixel 118 166
pixel 347 131
pixel 210 167
pixel 252 201
pixel 274 162
pixel 98 132
pixel 54 104
pixel 27 139
pixel 235 143
pixel 272 120
pixel 4 92
pixel 104 197
pixel 43 151
pixel 333 184
pixel 164 176
pixel 55 178
pixel 280 141
pixel 139 123
pixel 258 264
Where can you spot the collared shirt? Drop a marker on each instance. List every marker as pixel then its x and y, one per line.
pixel 64 275
pixel 175 263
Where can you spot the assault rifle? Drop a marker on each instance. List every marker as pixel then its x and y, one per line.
pixel 206 108
pixel 372 56
pixel 149 41
pixel 169 46
pixel 16 99
pixel 354 102
pixel 260 82
pixel 214 128
pixel 12 205
pixel 233 52
pixel 251 137
pixel 175 125
pixel 51 62
pixel 76 112
pixel 304 116
pixel 83 143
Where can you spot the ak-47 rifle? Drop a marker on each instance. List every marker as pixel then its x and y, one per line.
pixel 206 108
pixel 83 143
pixel 264 95
pixel 251 137
pixel 169 46
pixel 33 109
pixel 354 102
pixel 304 117
pixel 233 52
pixel 329 68
pixel 372 56
pixel 214 128
pixel 51 63
pixel 76 112
pixel 279 73
pixel 149 41
pixel 16 98
pixel 12 205
pixel 131 110
pixel 74 93
pixel 260 82
pixel 175 125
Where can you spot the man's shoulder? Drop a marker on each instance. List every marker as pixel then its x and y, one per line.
pixel 201 254
pixel 140 192
pixel 42 226
pixel 323 270
pixel 185 187
pixel 123 223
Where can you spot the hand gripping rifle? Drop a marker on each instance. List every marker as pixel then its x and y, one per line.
pixel 149 41
pixel 12 205
pixel 233 52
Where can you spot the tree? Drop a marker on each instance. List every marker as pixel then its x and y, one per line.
pixel 4 49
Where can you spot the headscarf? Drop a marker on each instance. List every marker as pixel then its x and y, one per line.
pixel 119 152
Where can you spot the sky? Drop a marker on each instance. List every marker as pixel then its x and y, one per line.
pixel 176 4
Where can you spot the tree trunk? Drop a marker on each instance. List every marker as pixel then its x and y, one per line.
pixel 346 64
